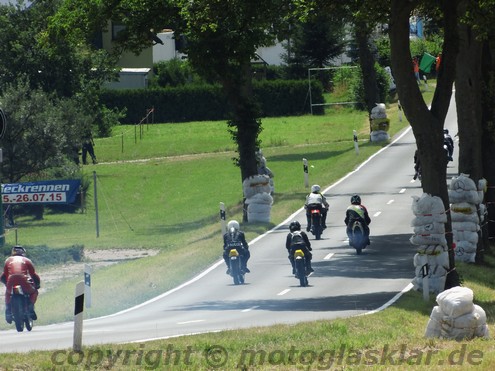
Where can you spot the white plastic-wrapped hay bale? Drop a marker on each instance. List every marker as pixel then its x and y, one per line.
pixel 256 184
pixel 259 207
pixel 456 317
pixel 379 111
pixel 437 261
pixel 379 136
pixel 431 260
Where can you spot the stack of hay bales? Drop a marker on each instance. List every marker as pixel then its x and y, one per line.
pixel 379 123
pixel 429 236
pixel 456 317
pixel 257 192
pixel 465 199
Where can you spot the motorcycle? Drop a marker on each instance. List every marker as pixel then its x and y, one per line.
pixel 316 226
pixel 300 267
pixel 20 309
pixel 358 238
pixel 236 270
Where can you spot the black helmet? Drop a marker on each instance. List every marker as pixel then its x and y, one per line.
pixel 295 226
pixel 356 200
pixel 18 250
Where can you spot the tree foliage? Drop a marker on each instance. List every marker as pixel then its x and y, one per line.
pixel 41 131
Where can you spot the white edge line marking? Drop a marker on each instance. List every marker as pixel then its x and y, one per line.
pixel 249 309
pixel 377 213
pixel 328 256
pixel 283 292
pixel 170 337
pixel 390 202
pixel 193 321
pixel 290 218
pixel 390 302
pixel 402 190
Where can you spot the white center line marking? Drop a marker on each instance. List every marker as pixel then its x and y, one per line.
pixel 390 202
pixel 402 190
pixel 328 256
pixel 283 292
pixel 186 322
pixel 377 213
pixel 249 309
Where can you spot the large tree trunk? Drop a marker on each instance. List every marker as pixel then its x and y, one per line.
pixel 488 141
pixel 245 125
pixel 427 124
pixel 468 102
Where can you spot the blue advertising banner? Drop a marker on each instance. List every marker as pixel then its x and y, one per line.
pixel 43 192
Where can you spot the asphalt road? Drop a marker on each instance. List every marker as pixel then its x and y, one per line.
pixel 344 284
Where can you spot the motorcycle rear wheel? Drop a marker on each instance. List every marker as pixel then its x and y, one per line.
pixel 301 272
pixel 18 312
pixel 236 272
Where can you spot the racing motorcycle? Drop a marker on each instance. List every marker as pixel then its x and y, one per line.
pixel 316 226
pixel 236 271
pixel 358 238
pixel 300 267
pixel 20 309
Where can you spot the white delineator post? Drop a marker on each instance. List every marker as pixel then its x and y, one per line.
pixel 222 218
pixel 356 145
pixel 78 317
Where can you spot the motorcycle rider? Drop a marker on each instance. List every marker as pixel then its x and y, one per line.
pixel 449 143
pixel 316 200
pixel 356 211
pixel 19 270
pixel 235 239
pixel 297 239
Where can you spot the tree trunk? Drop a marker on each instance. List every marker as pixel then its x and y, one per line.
pixel 245 125
pixel 488 141
pixel 427 124
pixel 468 102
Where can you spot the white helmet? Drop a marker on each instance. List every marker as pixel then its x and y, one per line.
pixel 233 224
pixel 315 188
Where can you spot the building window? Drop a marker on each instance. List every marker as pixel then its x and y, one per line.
pixel 116 29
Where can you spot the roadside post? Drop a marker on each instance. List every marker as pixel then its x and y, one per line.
pixel 222 218
pixel 78 317
pixel 356 145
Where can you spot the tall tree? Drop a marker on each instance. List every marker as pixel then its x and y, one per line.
pixel 427 123
pixel 222 38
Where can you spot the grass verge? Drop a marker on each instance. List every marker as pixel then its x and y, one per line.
pixel 388 340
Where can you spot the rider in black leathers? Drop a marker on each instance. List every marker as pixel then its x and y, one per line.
pixel 235 239
pixel 295 240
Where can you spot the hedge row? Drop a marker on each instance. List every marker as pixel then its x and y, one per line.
pixel 208 102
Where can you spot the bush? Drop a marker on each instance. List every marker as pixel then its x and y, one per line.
pixel 208 102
